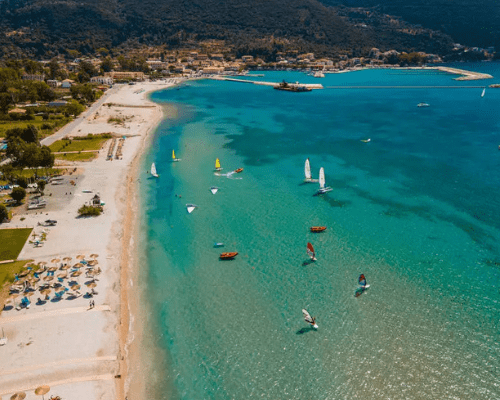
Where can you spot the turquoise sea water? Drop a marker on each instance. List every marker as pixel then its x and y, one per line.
pixel 415 210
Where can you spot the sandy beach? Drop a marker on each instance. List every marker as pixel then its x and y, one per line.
pixel 80 352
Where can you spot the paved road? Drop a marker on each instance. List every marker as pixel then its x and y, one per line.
pixel 72 126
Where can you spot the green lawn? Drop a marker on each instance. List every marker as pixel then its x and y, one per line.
pixel 76 156
pixel 94 143
pixel 12 242
pixel 9 270
pixel 38 122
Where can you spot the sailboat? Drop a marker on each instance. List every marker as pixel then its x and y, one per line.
pixel 310 320
pixel 214 189
pixel 217 165
pixel 307 172
pixel 484 92
pixel 191 207
pixel 362 281
pixel 322 187
pixel 173 156
pixel 310 251
pixel 153 170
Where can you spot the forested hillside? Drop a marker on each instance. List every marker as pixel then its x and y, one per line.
pixel 259 27
pixel 469 22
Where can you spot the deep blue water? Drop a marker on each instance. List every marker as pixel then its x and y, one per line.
pixel 415 210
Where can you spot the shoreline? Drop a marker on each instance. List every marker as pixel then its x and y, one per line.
pixel 42 339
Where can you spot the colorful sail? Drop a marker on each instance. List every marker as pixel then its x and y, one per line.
pixel 307 170
pixel 310 251
pixel 362 280
pixel 217 165
pixel 173 155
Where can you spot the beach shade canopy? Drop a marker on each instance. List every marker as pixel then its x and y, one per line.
pixel 92 263
pixel 62 275
pixel 91 284
pixel 40 391
pixel 54 260
pixel 76 273
pixel 24 273
pixel 18 396
pixel 66 266
pixel 48 278
pixel 52 269
pixel 80 257
pixel 94 255
pixel 67 259
pixel 45 291
pixel 78 265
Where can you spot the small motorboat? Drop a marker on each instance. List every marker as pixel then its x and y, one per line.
pixel 318 228
pixel 218 244
pixel 423 105
pixel 238 170
pixel 228 256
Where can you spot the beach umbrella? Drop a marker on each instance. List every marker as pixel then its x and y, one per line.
pixel 94 255
pixel 12 298
pixel 92 263
pixel 45 292
pixel 62 275
pixel 67 259
pixel 24 273
pixel 76 273
pixel 75 287
pixel 55 260
pixel 91 284
pixel 42 390
pixel 80 257
pixel 48 278
pixel 65 267
pixel 52 269
pixel 18 396
pixel 78 265
pixel 42 263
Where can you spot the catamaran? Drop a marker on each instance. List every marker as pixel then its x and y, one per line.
pixel 217 165
pixel 322 187
pixel 310 320
pixel 214 189
pixel 484 92
pixel 173 156
pixel 191 207
pixel 307 172
pixel 310 251
pixel 153 170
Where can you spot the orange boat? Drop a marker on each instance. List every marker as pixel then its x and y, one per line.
pixel 228 256
pixel 318 228
pixel 238 170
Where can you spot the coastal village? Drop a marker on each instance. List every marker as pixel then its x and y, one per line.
pixel 65 319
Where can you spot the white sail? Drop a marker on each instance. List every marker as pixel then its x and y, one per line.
pixel 321 178
pixel 307 170
pixel 214 189
pixel 190 207
pixel 484 92
pixel 153 170
pixel 322 188
pixel 309 319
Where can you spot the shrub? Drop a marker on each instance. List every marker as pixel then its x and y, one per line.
pixel 4 214
pixel 89 211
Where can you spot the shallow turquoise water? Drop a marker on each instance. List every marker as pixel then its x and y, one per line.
pixel 415 210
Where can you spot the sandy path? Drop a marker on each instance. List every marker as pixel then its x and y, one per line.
pixel 53 313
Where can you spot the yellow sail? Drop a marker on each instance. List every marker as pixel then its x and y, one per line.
pixel 217 164
pixel 173 155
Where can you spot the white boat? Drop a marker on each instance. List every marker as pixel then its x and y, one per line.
pixel 217 165
pixel 366 140
pixel 191 207
pixel 310 252
pixel 322 187
pixel 173 156
pixel 484 92
pixel 310 320
pixel 214 189
pixel 153 170
pixel 423 105
pixel 319 74
pixel 307 172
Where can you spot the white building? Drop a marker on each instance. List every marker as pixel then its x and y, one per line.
pixel 102 80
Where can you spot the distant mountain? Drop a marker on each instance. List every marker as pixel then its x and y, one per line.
pixel 258 27
pixel 469 22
